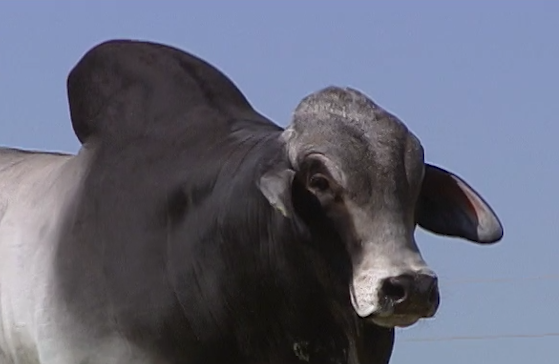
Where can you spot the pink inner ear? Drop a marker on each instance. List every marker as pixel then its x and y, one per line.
pixel 452 188
pixel 474 205
pixel 455 193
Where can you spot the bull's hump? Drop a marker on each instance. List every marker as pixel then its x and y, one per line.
pixel 126 88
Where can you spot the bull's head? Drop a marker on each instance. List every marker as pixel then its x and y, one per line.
pixel 368 173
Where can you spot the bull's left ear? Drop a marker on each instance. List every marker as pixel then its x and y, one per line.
pixel 447 205
pixel 275 185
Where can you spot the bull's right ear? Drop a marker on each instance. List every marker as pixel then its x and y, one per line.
pixel 275 185
pixel 449 206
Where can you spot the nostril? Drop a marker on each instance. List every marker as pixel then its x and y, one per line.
pixel 427 286
pixel 411 294
pixel 394 290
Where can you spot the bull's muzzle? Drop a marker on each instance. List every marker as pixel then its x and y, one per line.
pixel 411 295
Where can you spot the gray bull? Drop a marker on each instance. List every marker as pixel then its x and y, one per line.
pixel 191 229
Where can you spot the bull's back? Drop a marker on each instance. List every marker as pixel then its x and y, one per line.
pixel 20 170
pixel 29 191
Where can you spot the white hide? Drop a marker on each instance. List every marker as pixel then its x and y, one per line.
pixel 36 193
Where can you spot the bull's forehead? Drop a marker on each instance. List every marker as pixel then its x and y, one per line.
pixel 345 105
pixel 371 146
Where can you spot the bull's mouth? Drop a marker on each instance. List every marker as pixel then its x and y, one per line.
pixel 393 321
pixel 387 316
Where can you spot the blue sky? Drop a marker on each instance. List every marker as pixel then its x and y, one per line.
pixel 477 81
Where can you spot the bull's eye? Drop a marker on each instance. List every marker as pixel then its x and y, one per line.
pixel 319 183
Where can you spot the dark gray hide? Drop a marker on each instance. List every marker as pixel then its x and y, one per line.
pixel 372 173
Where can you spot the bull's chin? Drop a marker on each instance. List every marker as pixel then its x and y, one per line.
pixel 393 321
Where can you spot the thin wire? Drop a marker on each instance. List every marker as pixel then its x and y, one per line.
pixel 483 337
pixel 490 337
pixel 502 280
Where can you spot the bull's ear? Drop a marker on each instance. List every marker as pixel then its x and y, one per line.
pixel 447 205
pixel 275 185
